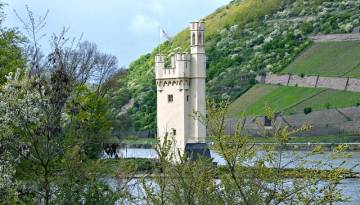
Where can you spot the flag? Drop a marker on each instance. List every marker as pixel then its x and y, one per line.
pixel 163 34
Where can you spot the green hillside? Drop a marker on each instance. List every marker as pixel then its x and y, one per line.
pixel 328 59
pixel 290 100
pixel 246 37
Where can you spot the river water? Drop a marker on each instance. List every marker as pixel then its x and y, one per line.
pixel 350 187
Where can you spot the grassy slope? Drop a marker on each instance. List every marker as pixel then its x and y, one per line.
pixel 323 58
pixel 141 81
pixel 235 12
pixel 328 59
pixel 244 37
pixel 328 99
pixel 286 99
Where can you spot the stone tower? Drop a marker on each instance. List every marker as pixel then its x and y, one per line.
pixel 180 92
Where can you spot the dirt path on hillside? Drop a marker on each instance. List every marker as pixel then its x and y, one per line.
pixel 336 37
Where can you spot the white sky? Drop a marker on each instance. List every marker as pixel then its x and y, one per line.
pixel 124 28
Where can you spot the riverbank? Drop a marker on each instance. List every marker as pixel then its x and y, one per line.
pixel 350 147
pixel 295 143
pixel 142 167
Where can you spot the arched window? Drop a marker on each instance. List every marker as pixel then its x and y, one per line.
pixel 200 39
pixel 193 39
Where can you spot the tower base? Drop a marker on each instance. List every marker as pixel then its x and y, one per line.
pixel 197 150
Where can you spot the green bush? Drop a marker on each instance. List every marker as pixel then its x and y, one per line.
pixel 307 110
pixel 252 81
pixel 307 27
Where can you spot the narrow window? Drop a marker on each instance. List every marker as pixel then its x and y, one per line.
pixel 188 98
pixel 193 39
pixel 170 98
pixel 199 39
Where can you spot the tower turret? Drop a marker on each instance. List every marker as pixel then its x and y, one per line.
pixel 198 76
pixel 197 32
pixel 198 60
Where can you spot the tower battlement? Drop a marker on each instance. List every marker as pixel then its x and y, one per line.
pixel 197 25
pixel 179 68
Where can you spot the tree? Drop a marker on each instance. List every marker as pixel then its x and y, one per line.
pixel 55 118
pixel 119 101
pixel 10 50
pixel 251 174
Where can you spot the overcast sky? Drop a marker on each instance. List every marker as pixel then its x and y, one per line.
pixel 124 28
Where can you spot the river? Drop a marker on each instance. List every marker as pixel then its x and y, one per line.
pixel 350 187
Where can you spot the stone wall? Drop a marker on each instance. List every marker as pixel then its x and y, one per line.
pixel 277 79
pixel 332 83
pixel 260 78
pixel 325 122
pixel 336 83
pixel 336 37
pixel 309 81
pixel 353 85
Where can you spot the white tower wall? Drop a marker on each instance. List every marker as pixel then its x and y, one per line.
pixel 198 77
pixel 180 91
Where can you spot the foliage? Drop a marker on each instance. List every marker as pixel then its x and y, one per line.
pixel 8 184
pixel 119 96
pixel 180 182
pixel 10 51
pixel 247 177
pixel 244 38
pixel 53 120
pixel 51 145
pixel 88 117
pixel 307 110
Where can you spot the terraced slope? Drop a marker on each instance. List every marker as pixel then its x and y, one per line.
pixel 328 59
pixel 290 100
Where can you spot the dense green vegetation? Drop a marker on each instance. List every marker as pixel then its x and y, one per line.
pixel 244 38
pixel 290 100
pixel 54 117
pixel 328 59
pixel 10 50
pixel 59 109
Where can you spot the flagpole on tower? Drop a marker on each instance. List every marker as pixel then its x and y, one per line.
pixel 162 34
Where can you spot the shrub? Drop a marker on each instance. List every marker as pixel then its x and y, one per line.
pixel 307 27
pixel 252 81
pixel 328 105
pixel 307 110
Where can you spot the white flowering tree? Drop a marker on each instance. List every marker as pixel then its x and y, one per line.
pixel 53 119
